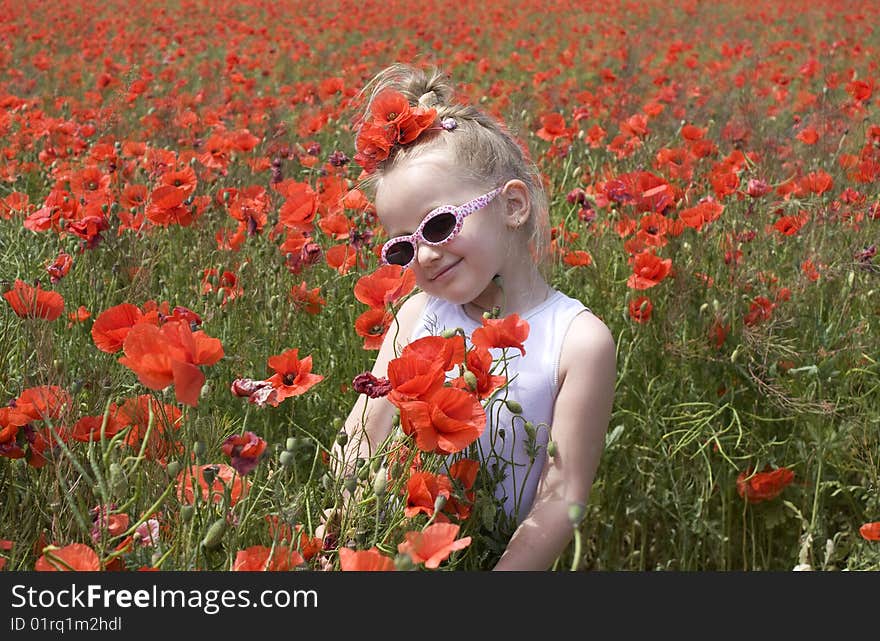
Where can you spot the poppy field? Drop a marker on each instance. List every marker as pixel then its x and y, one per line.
pixel 192 298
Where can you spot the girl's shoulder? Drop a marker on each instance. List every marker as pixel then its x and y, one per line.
pixel 588 343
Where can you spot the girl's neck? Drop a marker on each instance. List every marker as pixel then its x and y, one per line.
pixel 511 298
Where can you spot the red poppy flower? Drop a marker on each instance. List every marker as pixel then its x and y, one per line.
pixel 43 401
pixel 422 490
pixel 308 300
pixel 433 545
pixel 389 107
pixel 763 486
pixel 341 257
pixel 223 476
pixel 76 557
pixel 384 286
pixel 418 120
pixel 464 473
pixel 366 383
pixel 447 422
pixel 414 377
pixel 307 545
pixel 184 179
pixel 292 375
pixel 43 441
pixel 577 258
pixel 447 352
pixel 88 428
pixel 260 393
pixel 373 145
pixel 5 546
pixel 34 302
pixel 371 560
pixel 166 420
pixel 870 531
pixel 372 325
pixel 112 326
pixel 510 331
pixel 259 558
pixel 170 354
pixel 479 363
pixel 648 270
pixel 11 419
pixel 59 267
pixel 640 309
pixel 245 450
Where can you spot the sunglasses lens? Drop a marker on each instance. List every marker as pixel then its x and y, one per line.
pixel 439 228
pixel 400 253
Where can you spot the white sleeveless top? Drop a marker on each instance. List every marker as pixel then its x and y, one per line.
pixel 533 381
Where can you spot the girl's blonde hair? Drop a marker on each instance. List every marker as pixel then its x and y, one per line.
pixel 482 147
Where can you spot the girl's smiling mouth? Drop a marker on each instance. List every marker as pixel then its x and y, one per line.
pixel 444 271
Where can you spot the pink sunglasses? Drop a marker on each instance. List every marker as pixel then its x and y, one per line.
pixel 440 226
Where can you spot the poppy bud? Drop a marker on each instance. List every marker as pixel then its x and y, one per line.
pixel 215 534
pixel 735 354
pixel 850 279
pixel 703 308
pixel 350 484
pixel 380 482
pixel 199 449
pixel 186 513
pixel 513 406
pixel 173 469
pixel 220 296
pixel 529 427
pixel 552 449
pixel 290 445
pixel 327 482
pixel 375 464
pixel 576 513
pixel 439 502
pixel 471 380
pixel 403 563
pixel 342 438
pixel 396 469
pixel 448 333
pixel 395 420
pixel 286 457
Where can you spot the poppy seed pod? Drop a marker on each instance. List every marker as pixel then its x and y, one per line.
pixel 186 513
pixel 403 563
pixel 471 379
pixel 215 534
pixel 342 438
pixel 380 483
pixel 173 468
pixel 576 513
pixel 290 444
pixel 350 484
pixel 286 457
pixel 513 406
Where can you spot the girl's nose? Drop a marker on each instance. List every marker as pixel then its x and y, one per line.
pixel 426 254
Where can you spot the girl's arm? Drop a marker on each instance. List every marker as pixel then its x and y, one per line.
pixel 369 421
pixel 588 371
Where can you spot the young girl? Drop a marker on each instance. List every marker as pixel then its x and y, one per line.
pixel 465 210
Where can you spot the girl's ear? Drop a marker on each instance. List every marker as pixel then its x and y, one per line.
pixel 518 203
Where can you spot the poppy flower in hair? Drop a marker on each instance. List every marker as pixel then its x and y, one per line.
pixel 393 121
